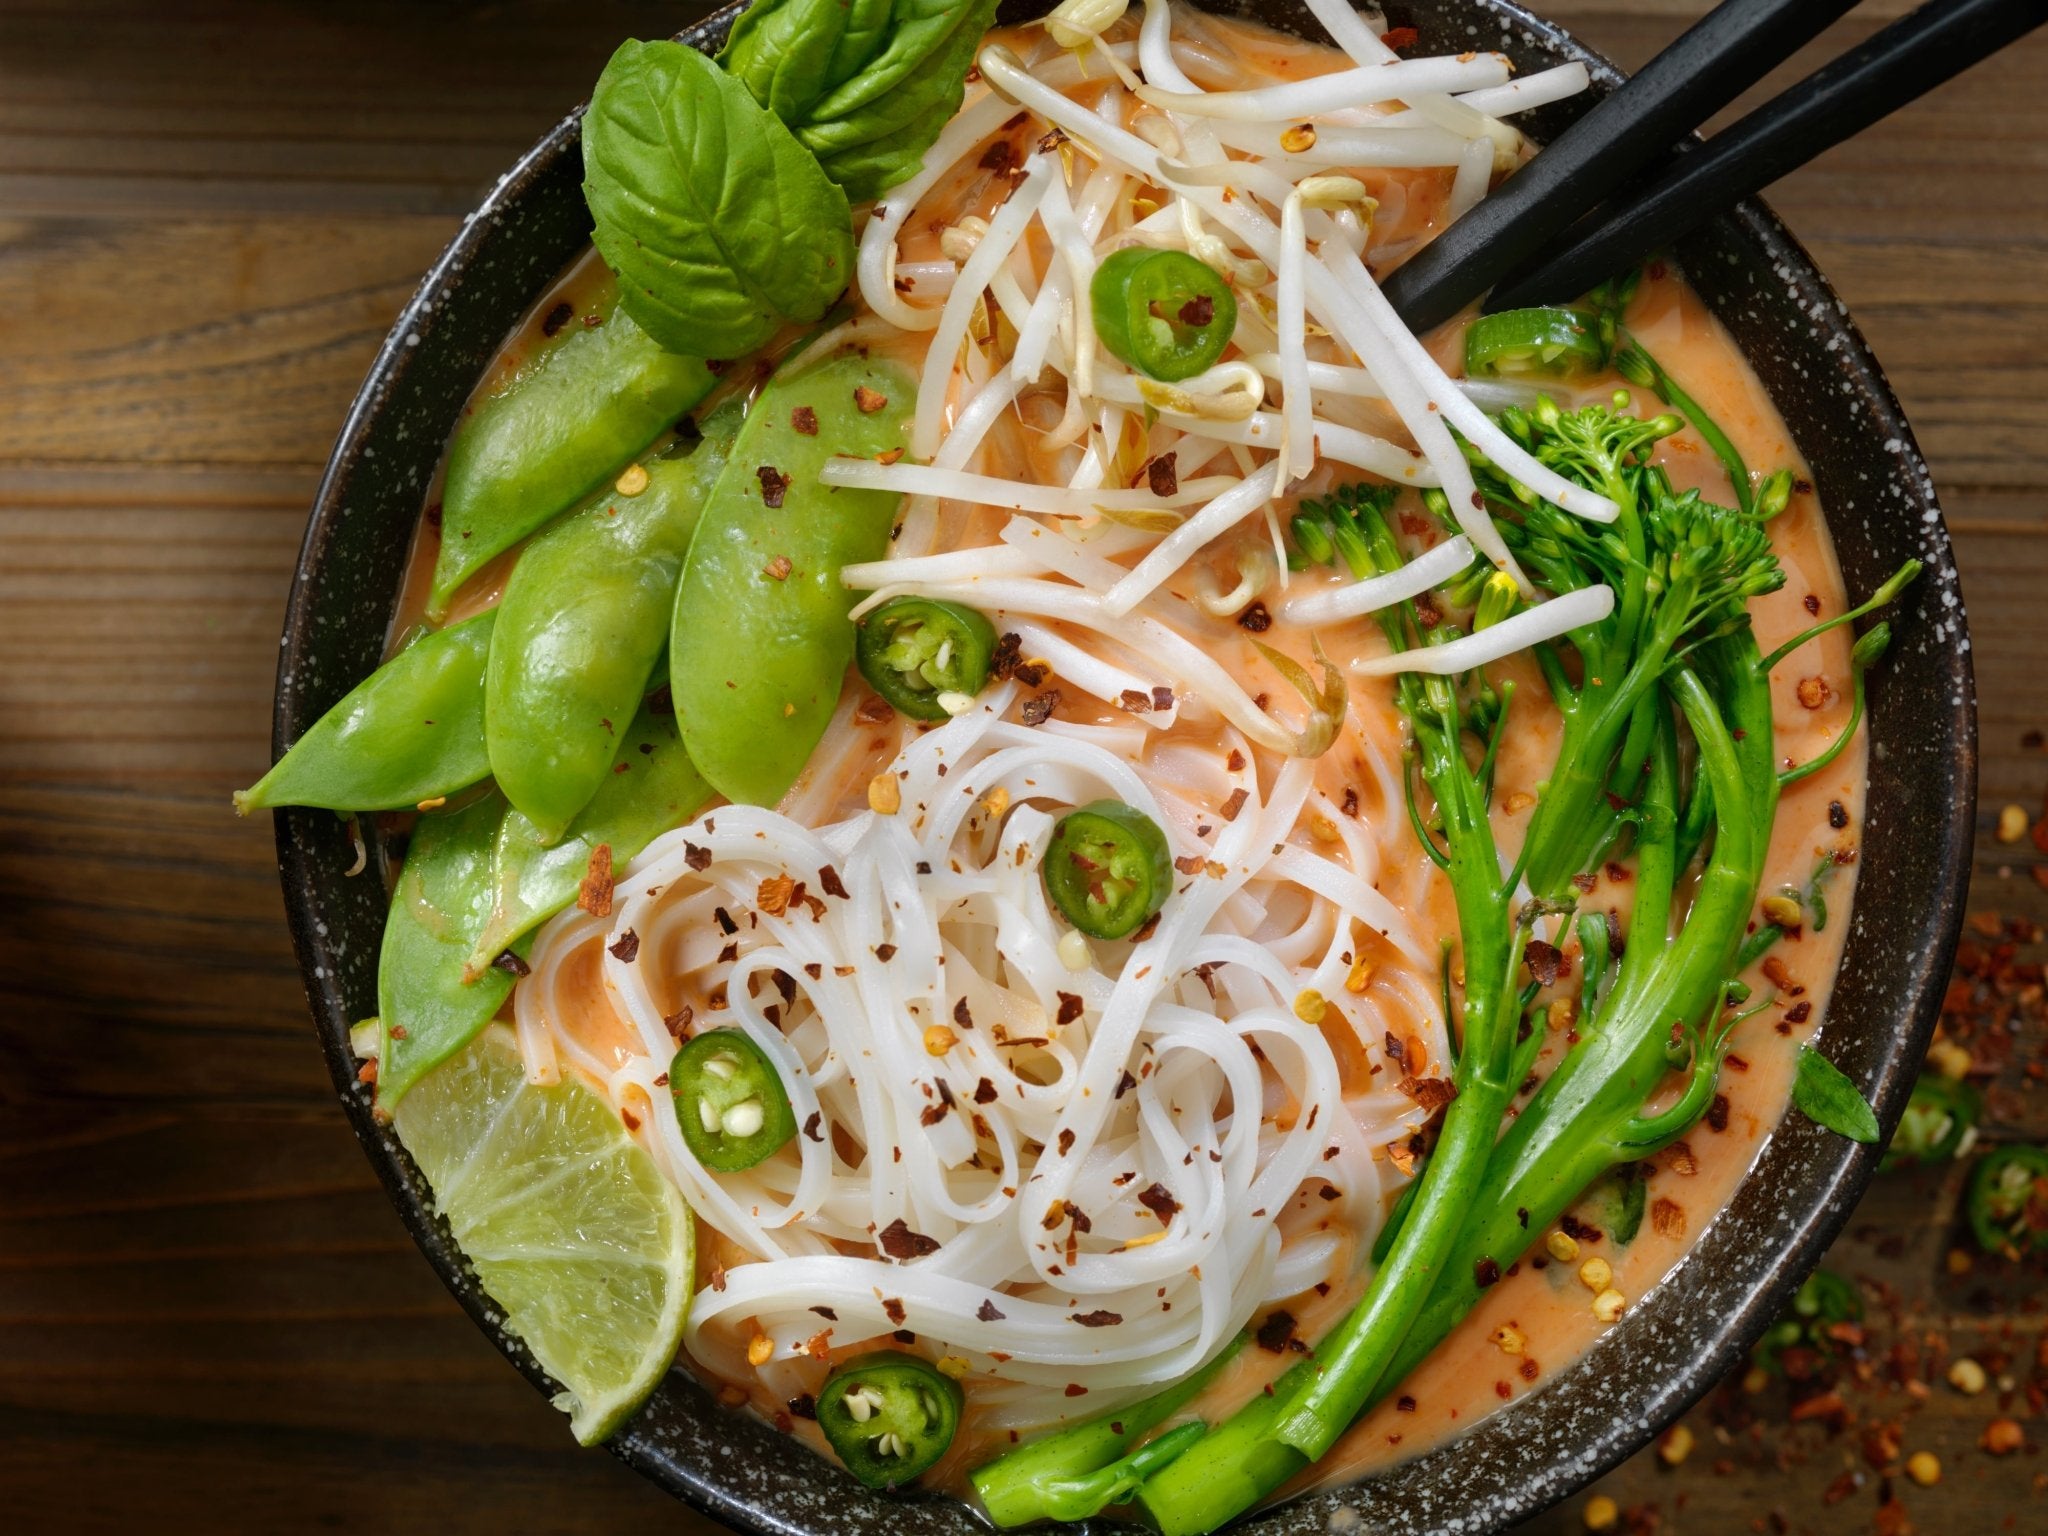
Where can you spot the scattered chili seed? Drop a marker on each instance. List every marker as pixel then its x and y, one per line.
pixel 632 480
pixel 869 400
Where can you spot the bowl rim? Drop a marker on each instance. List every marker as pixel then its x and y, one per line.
pixel 713 1489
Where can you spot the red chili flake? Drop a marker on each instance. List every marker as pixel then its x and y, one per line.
pixel 1775 972
pixel 1486 1272
pixel 988 1312
pixel 892 1308
pixel 803 1406
pixel 1799 1013
pixel 934 1113
pixel 1401 37
pixel 1585 883
pixel 1066 1142
pixel 1071 1007
pixel 885 952
pixel 1190 864
pixel 873 710
pixel 595 894
pixel 724 920
pixel 697 858
pixel 1158 1199
pixel 626 949
pixel 1134 700
pixel 1545 961
pixel 1003 659
pixel 1717 1113
pixel 984 1092
pixel 828 882
pixel 1429 1093
pixel 1162 697
pixel 1276 1332
pixel 1164 475
pixel 678 1023
pixel 1097 1319
pixel 804 420
pixel 1038 708
pixel 779 568
pixel 1617 873
pixel 811 1126
pixel 773 484
pixel 512 964
pixel 999 156
pixel 1229 809
pixel 962 1016
pixel 1075 1389
pixel 1257 619
pixel 1404 1404
pixel 1124 1084
pixel 899 1242
pixel 557 317
pixel 869 400
pixel 1579 1231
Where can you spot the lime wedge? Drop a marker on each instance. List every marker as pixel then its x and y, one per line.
pixel 571 1227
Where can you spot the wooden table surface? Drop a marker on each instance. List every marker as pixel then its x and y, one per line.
pixel 209 212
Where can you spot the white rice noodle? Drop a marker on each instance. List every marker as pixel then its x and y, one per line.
pixel 1297 455
pixel 1401 80
pixel 1350 601
pixel 1532 626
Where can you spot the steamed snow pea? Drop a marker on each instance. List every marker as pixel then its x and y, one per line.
pixel 583 621
pixel 477 882
pixel 922 655
pixel 426 1011
pixel 532 880
pixel 412 730
pixel 761 639
pixel 889 1416
pixel 589 403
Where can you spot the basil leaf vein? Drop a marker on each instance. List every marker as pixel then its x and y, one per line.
pixel 720 225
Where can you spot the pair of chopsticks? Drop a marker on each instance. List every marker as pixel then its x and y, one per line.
pixel 1623 181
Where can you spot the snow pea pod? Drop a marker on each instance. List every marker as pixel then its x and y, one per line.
pixel 412 730
pixel 476 884
pixel 564 427
pixel 583 621
pixel 762 640
pixel 426 1011
pixel 531 880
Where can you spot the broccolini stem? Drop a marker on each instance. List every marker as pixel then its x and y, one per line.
pixel 1634 363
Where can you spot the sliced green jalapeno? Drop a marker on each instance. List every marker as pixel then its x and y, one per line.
pixel 730 1102
pixel 576 416
pixel 1165 313
pixel 1108 869
pixel 1938 1124
pixel 889 1416
pixel 1556 343
pixel 2007 1201
pixel 914 651
pixel 412 730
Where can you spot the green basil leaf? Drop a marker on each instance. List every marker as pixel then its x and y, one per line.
pixel 790 53
pixel 1829 1099
pixel 720 225
pixel 867 99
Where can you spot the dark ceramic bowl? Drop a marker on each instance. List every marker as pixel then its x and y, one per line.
pixel 1675 1344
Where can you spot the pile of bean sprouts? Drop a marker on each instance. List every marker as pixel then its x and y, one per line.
pixel 1075 1169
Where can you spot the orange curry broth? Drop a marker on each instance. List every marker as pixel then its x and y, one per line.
pixel 1469 1374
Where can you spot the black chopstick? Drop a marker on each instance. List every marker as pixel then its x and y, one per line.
pixel 1898 64
pixel 1721 56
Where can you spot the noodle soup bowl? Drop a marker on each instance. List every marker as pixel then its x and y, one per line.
pixel 1674 1343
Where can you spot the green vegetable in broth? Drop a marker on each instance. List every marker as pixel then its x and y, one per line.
pixel 427 1011
pixel 412 730
pixel 761 640
pixel 532 879
pixel 719 224
pixel 565 426
pixel 867 86
pixel 584 619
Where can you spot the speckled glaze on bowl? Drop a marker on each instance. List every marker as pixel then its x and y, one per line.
pixel 1677 1341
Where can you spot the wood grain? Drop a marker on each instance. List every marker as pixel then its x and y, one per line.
pixel 209 1316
